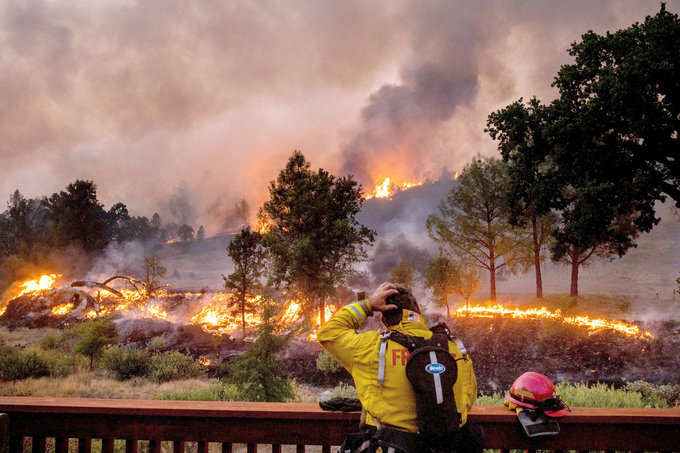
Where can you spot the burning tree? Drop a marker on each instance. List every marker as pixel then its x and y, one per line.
pixel 314 237
pixel 473 221
pixel 153 272
pixel 248 255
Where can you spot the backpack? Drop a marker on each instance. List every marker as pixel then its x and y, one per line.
pixel 432 372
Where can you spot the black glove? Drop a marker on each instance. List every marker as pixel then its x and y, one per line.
pixel 341 404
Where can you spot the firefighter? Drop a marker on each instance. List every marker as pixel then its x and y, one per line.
pixel 386 394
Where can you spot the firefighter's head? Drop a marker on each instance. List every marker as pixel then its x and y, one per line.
pixel 405 301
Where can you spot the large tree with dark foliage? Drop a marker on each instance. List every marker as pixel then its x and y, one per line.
pixel 521 131
pixel 315 237
pixel 616 137
pixel 248 255
pixel 78 217
pixel 611 140
pixel 624 90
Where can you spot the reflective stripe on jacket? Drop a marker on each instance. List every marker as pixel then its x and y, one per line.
pixel 392 403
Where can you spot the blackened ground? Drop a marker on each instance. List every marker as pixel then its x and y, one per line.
pixel 502 349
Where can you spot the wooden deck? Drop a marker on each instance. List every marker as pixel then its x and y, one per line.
pixel 301 424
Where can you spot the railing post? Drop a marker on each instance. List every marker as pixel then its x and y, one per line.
pixel 38 445
pixel 84 445
pixel 178 446
pixel 131 446
pixel 4 433
pixel 16 444
pixel 61 445
pixel 154 446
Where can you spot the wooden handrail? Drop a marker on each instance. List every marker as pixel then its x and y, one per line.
pixel 304 424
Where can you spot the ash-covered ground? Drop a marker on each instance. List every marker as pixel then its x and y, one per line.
pixel 502 349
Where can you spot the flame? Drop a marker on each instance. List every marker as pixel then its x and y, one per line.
pixel 154 310
pixel 63 309
pixel 33 287
pixel 387 188
pixel 222 315
pixel 263 226
pixel 329 310
pixel 291 312
pixel 204 361
pixel 500 311
pixel 38 285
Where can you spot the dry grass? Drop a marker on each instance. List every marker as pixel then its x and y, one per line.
pixel 87 384
pixel 24 337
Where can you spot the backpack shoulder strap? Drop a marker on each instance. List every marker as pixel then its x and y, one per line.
pixel 443 329
pixel 408 341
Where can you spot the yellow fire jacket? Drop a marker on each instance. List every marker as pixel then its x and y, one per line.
pixel 393 402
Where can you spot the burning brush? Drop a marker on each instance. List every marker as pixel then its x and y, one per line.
pixel 501 311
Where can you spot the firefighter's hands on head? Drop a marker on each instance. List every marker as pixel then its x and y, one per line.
pixel 379 296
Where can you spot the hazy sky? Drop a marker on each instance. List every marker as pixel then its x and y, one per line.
pixel 142 95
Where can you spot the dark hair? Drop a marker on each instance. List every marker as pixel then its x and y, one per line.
pixel 404 300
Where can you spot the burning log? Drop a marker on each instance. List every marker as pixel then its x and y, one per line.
pixel 87 284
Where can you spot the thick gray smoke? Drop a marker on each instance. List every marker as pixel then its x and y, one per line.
pixel 400 122
pixel 466 59
pixel 389 253
pixel 181 206
pixel 141 95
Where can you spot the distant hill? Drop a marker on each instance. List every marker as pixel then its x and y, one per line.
pixel 647 272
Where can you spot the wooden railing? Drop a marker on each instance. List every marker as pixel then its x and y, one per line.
pixel 298 424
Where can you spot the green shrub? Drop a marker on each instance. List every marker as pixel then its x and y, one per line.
pixel 258 374
pixel 652 394
pixel 93 337
pixel 125 362
pixel 50 342
pixel 171 365
pixel 60 363
pixel 636 394
pixel 15 364
pixel 221 392
pixel 326 363
pixel 343 391
pixel 496 399
pixel 602 395
pixel 156 344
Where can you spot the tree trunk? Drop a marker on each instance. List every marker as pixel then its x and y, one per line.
pixel 537 260
pixel 574 277
pixel 243 315
pixel 448 309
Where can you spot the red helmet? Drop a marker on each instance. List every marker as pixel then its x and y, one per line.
pixel 535 391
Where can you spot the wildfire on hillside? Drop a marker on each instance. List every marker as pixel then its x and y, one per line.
pixel 33 287
pixel 501 311
pixel 386 188
pixel 219 313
